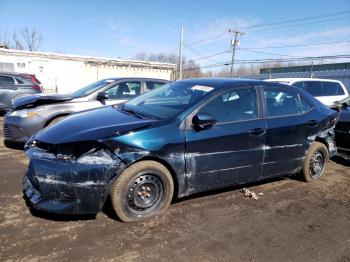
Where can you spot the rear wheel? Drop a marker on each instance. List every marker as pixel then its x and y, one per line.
pixel 315 162
pixel 143 190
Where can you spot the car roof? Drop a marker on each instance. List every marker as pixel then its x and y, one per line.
pixel 10 74
pixel 221 82
pixel 134 78
pixel 292 79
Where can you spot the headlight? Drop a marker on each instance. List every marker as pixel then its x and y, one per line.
pixel 27 112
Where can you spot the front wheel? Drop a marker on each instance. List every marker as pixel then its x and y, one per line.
pixel 143 190
pixel 315 162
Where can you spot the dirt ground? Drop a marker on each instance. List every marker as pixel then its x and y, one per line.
pixel 293 221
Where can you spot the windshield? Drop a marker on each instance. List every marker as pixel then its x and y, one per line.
pixel 168 100
pixel 87 90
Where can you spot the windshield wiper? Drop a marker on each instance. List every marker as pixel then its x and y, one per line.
pixel 134 112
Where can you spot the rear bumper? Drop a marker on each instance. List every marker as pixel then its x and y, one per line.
pixel 19 130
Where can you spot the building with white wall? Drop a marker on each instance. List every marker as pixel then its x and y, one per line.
pixel 66 73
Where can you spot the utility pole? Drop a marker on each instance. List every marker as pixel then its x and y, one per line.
pixel 234 43
pixel 180 52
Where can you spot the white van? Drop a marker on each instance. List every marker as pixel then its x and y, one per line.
pixel 326 90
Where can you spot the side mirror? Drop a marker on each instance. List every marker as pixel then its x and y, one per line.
pixel 203 121
pixel 343 106
pixel 102 96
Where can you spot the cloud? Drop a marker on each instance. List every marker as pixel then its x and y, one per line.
pixel 120 30
pixel 217 29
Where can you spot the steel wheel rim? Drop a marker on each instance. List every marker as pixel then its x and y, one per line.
pixel 144 194
pixel 317 165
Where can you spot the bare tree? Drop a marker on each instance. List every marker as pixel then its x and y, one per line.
pixel 17 43
pixel 32 39
pixel 26 39
pixel 191 69
pixel 4 40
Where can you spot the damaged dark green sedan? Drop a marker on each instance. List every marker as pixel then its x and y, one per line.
pixel 182 138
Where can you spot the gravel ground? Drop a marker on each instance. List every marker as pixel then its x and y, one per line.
pixel 292 221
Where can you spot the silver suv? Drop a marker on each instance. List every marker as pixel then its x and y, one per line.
pixel 14 85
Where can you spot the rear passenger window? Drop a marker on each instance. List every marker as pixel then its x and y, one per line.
pixel 333 89
pixel 314 88
pixel 19 81
pixel 305 106
pixel 281 103
pixel 153 85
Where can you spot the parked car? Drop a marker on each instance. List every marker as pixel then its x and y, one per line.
pixel 342 128
pixel 179 139
pixel 326 90
pixel 14 85
pixel 32 113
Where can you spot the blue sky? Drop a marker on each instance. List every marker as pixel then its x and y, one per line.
pixel 123 28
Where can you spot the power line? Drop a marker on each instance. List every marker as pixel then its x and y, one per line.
pixel 222 35
pixel 270 60
pixel 252 49
pixel 274 28
pixel 297 20
pixel 212 55
pixel 265 53
pixel 299 45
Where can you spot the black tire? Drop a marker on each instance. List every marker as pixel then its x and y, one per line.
pixel 315 162
pixel 143 190
pixel 56 120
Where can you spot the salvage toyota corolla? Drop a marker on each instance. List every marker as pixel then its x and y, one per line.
pixel 181 138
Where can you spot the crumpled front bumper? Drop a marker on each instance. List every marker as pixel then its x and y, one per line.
pixel 68 187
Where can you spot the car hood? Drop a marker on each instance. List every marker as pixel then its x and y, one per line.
pixel 38 99
pixel 91 126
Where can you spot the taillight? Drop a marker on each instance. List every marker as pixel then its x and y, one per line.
pixel 35 80
pixel 37 87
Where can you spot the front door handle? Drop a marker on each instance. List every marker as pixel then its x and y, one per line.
pixel 256 132
pixel 312 123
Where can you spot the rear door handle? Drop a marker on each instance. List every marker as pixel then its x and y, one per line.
pixel 312 123
pixel 257 132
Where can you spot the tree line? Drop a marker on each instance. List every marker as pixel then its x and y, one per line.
pixel 24 39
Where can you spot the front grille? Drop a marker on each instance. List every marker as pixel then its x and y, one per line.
pixel 7 133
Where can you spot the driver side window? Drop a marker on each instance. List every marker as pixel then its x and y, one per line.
pixel 125 90
pixel 235 105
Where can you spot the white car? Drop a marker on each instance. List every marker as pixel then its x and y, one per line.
pixel 325 90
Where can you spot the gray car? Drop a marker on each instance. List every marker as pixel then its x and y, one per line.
pixel 14 85
pixel 32 113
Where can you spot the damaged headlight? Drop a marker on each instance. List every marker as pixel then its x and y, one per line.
pixel 27 112
pixel 100 157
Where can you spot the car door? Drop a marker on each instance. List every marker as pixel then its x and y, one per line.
pixel 290 119
pixel 122 92
pixel 230 151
